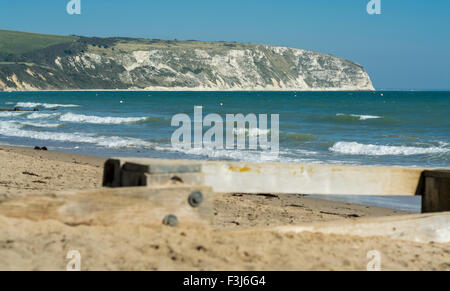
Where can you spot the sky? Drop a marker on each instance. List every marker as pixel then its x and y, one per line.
pixel 407 46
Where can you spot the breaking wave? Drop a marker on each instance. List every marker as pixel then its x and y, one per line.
pixel 245 155
pixel 284 136
pixel 12 113
pixel 45 105
pixel 354 148
pixel 36 115
pixel 79 118
pixel 37 124
pixel 343 116
pixel 12 129
pixel 251 131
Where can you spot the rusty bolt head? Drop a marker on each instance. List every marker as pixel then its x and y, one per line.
pixel 195 199
pixel 171 220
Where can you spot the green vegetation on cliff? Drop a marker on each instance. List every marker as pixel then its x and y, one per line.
pixel 16 43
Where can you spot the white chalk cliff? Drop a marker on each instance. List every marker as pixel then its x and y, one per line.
pixel 117 63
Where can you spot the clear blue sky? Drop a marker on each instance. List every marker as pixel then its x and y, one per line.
pixel 406 47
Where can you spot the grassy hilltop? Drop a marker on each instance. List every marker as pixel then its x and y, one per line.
pixel 16 46
pixel 16 43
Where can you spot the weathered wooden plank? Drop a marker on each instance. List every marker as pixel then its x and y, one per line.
pixel 137 205
pixel 418 228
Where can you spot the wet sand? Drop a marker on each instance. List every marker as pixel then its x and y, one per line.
pixel 231 243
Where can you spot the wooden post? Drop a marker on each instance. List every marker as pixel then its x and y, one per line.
pixel 435 191
pixel 138 173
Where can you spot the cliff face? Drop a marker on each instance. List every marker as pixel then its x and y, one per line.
pixel 119 63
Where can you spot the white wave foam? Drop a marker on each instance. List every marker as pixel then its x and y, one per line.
pixel 233 154
pixel 361 117
pixel 354 148
pixel 12 113
pixel 45 105
pixel 251 131
pixel 79 118
pixel 304 152
pixel 36 115
pixel 13 129
pixel 37 124
pixel 240 155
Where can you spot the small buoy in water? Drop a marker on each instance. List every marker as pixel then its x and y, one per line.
pixel 121 101
pixel 221 104
pixel 381 94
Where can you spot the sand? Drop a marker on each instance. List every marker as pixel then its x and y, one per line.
pixel 26 171
pixel 235 241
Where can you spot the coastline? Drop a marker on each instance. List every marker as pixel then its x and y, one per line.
pixel 235 242
pixel 183 89
pixel 79 159
pixel 224 90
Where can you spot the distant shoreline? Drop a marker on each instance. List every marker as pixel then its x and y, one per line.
pixel 186 90
pixel 231 90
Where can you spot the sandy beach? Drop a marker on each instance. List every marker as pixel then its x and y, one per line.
pixel 235 241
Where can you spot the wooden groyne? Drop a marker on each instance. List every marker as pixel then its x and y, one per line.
pixel 284 178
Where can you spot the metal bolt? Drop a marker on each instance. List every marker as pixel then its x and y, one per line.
pixel 195 199
pixel 170 220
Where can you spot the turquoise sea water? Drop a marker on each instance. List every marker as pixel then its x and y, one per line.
pixel 356 128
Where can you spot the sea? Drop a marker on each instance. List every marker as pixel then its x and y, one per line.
pixel 380 128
